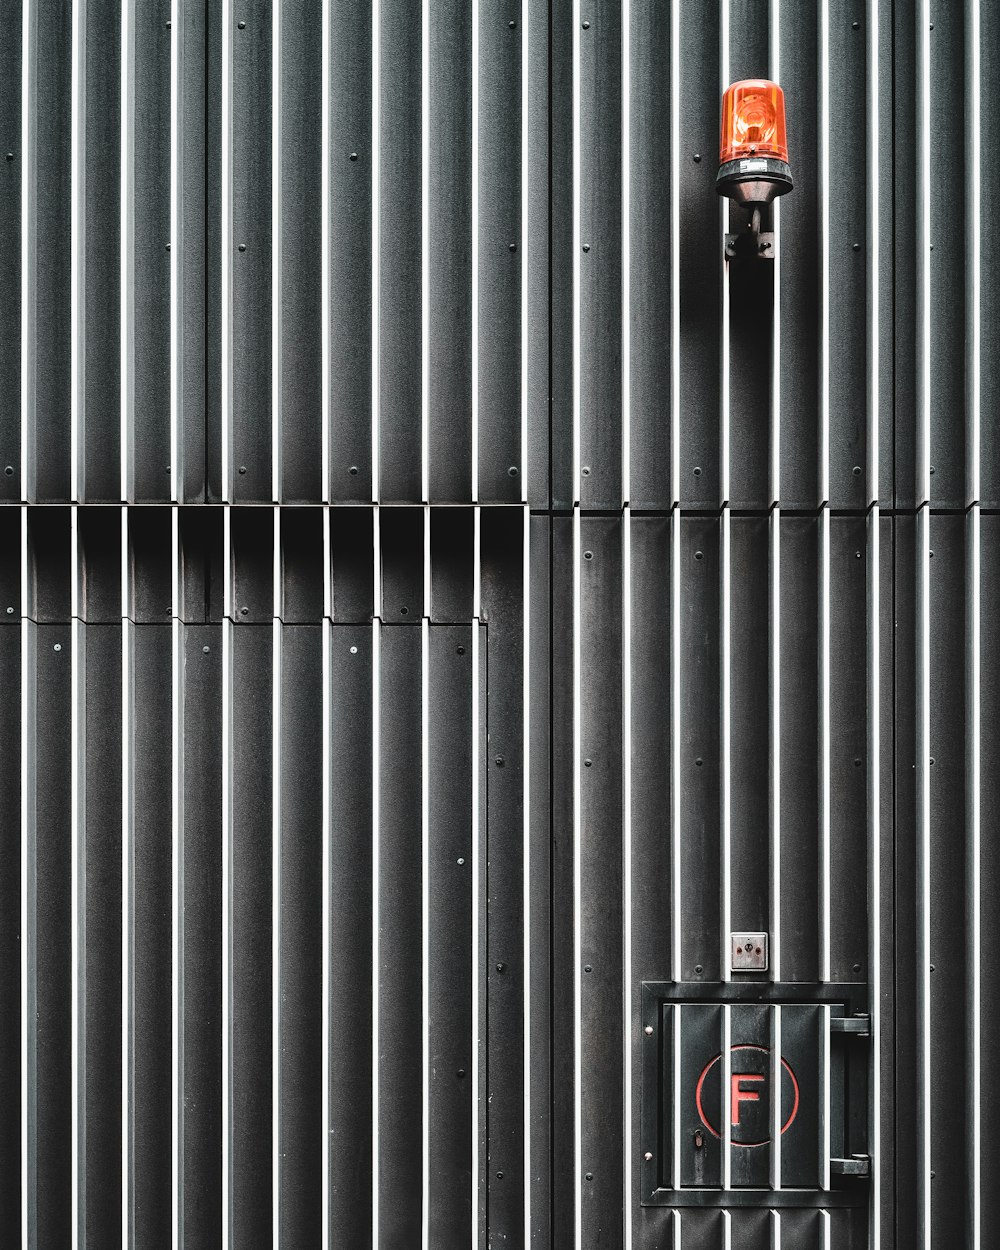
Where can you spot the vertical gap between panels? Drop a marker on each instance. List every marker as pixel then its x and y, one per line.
pixel 227 867
pixel 425 920
pixel 276 875
pixel 675 256
pixel 975 866
pixel 27 919
pixel 425 247
pixel 525 201
pixel 577 891
pixel 474 936
pixel 325 296
pixel 626 175
pixel 675 744
pixel 327 868
pixel 827 1122
pixel 776 1117
pixel 227 244
pixel 125 252
pixel 77 889
pixel 724 274
pixel 875 854
pixel 376 260
pixel 176 467
pixel 824 733
pixel 277 267
pixel 924 872
pixel 526 854
pixel 27 320
pixel 177 883
pixel 376 868
pixel 726 797
pixel 126 876
pixel 627 987
pixel 78 249
pixel 727 1086
pixel 775 746
pixel 575 492
pixel 824 249
pixel 474 294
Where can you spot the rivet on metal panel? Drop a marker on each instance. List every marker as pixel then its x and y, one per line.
pixel 856 470
pixel 857 761
pixel 699 555
pixel 698 761
pixel 588 968
pixel 513 471
pixel 585 470
pixel 9 470
pixel 699 969
pixel 588 555
pixel 499 761
pixel 933 969
pixel 649 1030
pixel 590 1176
pixel 460 860
pixel 353 470
pixel 931 555
pixel 648 1155
pixel 354 156
pixel 586 26
pixel 512 247
pixel 168 25
pixel 404 610
pixel 206 650
pixel 167 246
pixel 499 1176
pixel 697 470
pixel 586 247
pixel 242 468
pixel 697 158
pixel 512 25
pixel 857 247
pixel 460 651
pixel 932 761
pixel 244 611
pixel 931 470
pixel 461 1073
pixel 242 25
pixel 857 967
pixel 242 247
pixel 857 555
pixel 501 967
pixel 354 651
pixel 855 25
pixel 10 611
pixel 10 156
pixel 587 763
pixel 57 647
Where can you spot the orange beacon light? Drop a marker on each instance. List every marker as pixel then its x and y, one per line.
pixel 753 146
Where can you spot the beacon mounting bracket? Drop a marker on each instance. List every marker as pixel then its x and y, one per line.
pixel 751 243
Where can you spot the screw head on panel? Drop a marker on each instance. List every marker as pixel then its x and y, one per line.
pixel 354 651
pixel 460 861
pixel 585 470
pixel 354 156
pixel 648 1155
pixel 242 25
pixel 648 1030
pixel 588 555
pixel 699 969
pixel 10 611
pixel 590 1176
pixel 242 247
pixel 512 471
pixel 9 470
pixel 699 555
pixel 353 470
pixel 499 761
pixel 57 646
pixel 460 651
pixel 206 650
pixel 500 967
pixel 242 469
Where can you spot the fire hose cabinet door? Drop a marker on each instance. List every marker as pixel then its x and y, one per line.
pixel 754 1094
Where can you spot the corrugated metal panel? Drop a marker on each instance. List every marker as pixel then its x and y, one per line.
pixel 443 597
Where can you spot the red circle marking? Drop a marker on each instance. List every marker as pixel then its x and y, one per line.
pixel 711 1064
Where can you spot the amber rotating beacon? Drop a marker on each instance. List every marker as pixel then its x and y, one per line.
pixel 753 147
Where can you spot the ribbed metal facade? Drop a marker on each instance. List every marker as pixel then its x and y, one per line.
pixel 442 601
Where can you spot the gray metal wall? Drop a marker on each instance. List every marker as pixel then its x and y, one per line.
pixel 438 595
